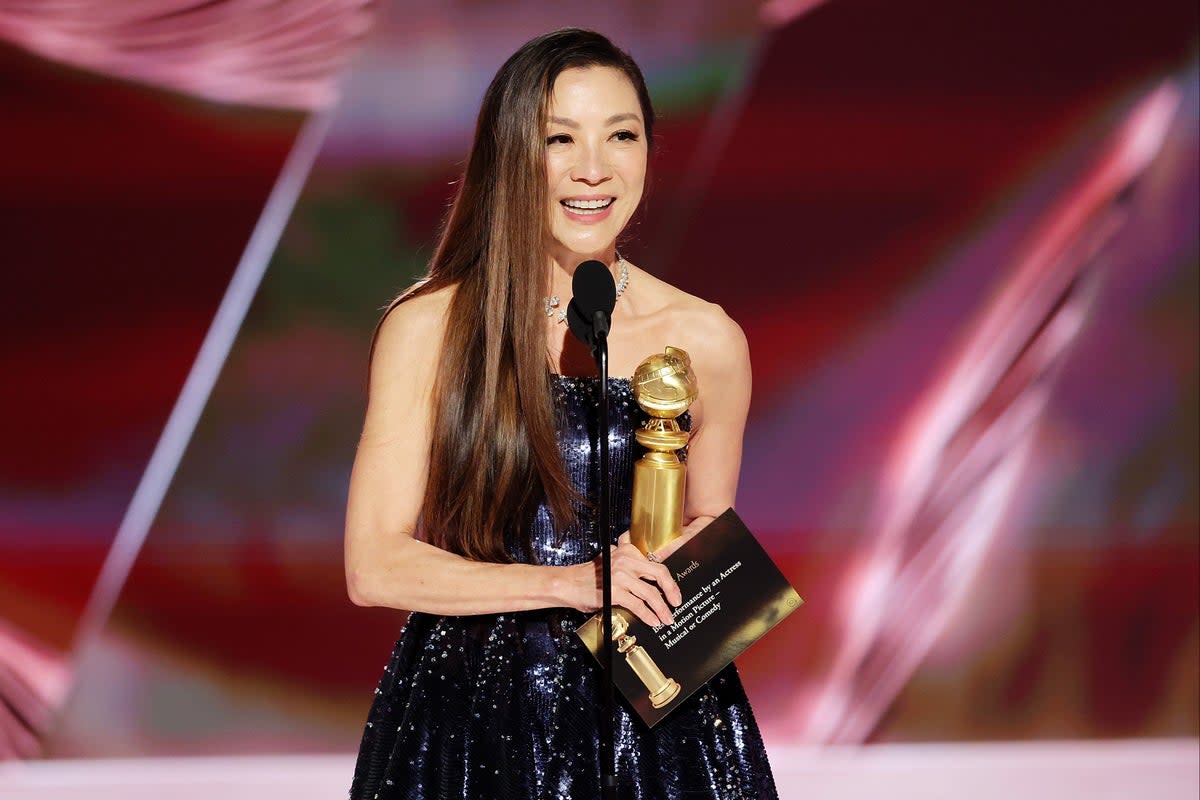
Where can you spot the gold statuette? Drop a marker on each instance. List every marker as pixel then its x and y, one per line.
pixel 664 386
pixel 661 689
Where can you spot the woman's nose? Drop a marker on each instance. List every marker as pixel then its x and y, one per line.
pixel 592 167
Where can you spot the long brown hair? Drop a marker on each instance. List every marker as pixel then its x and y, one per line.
pixel 494 454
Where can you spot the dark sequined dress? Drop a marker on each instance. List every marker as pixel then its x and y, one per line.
pixel 501 706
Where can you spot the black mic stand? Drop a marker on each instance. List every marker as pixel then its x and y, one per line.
pixel 608 765
pixel 588 317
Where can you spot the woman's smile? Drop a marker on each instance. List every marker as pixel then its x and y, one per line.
pixel 588 210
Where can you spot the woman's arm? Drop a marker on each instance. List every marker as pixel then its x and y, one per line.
pixel 721 361
pixel 385 564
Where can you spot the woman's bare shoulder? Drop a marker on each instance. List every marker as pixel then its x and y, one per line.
pixel 411 330
pixel 701 327
pixel 717 342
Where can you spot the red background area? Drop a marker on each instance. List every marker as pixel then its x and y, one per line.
pixel 873 136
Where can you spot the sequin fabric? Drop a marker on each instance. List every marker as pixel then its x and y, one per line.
pixel 501 706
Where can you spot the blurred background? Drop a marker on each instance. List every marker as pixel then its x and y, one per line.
pixel 961 239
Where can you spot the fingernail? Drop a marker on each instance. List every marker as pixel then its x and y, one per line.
pixel 670 620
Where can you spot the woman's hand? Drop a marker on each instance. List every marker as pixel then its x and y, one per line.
pixel 638 585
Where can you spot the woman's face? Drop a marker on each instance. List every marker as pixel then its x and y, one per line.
pixel 595 161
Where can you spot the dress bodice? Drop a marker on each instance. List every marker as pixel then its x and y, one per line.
pixel 576 403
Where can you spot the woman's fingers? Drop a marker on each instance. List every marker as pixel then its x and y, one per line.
pixel 648 602
pixel 653 571
pixel 638 608
pixel 656 572
pixel 647 581
pixel 644 587
pixel 659 574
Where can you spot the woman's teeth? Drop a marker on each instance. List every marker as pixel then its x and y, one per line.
pixel 588 206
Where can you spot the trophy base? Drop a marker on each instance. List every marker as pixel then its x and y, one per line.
pixel 665 694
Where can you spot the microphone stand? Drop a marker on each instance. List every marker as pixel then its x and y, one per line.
pixel 608 765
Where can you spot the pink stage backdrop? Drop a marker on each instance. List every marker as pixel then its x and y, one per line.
pixel 960 237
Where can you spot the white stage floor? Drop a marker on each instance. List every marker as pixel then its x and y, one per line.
pixel 1117 770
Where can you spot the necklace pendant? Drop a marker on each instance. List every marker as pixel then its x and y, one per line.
pixel 622 282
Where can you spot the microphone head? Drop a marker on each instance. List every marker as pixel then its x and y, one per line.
pixel 594 291
pixel 593 288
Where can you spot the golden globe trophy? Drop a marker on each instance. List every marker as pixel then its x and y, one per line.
pixel 732 593
pixel 664 386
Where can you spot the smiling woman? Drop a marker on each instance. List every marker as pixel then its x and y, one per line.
pixel 469 501
pixel 595 162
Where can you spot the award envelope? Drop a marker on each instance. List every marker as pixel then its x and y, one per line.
pixel 732 594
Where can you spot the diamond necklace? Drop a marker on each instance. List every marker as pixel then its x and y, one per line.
pixel 552 303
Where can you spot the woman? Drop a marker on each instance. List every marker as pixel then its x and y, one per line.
pixel 479 435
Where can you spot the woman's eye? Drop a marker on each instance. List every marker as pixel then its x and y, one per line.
pixel 560 138
pixel 626 136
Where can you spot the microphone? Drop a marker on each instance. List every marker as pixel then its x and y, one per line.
pixel 589 313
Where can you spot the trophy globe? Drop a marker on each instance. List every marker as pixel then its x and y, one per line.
pixel 664 386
